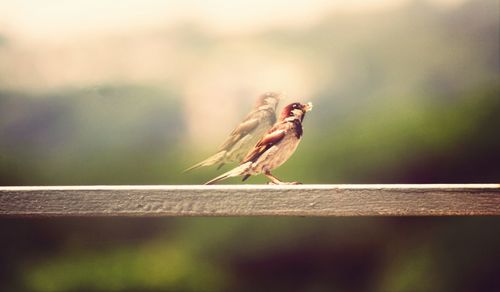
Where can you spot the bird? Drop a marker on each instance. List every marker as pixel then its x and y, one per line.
pixel 274 148
pixel 247 133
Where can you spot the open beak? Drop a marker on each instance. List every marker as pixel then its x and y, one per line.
pixel 308 106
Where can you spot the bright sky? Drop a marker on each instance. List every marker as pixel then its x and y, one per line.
pixel 60 19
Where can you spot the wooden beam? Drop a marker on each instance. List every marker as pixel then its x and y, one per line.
pixel 252 200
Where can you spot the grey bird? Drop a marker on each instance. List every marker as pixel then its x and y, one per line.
pixel 247 133
pixel 274 148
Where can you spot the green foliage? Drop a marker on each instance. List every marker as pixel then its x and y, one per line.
pixel 155 265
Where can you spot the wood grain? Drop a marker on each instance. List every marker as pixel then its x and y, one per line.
pixel 251 200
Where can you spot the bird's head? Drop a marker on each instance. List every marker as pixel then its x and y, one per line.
pixel 268 99
pixel 296 110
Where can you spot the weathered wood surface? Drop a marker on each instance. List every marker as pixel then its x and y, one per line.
pixel 251 200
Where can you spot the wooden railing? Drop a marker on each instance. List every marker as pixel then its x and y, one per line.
pixel 252 200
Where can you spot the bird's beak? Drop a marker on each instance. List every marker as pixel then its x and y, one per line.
pixel 308 106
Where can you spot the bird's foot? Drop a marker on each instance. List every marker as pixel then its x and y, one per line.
pixel 284 183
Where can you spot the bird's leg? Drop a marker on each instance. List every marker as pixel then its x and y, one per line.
pixel 276 181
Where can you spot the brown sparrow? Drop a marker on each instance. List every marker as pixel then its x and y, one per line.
pixel 274 148
pixel 247 133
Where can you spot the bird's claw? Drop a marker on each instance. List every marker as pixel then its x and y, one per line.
pixel 284 183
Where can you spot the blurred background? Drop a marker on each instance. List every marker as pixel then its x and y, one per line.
pixel 133 92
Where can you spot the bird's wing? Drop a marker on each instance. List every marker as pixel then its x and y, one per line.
pixel 240 131
pixel 272 137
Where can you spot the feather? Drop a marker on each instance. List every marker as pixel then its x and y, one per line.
pixel 243 129
pixel 272 138
pixel 240 170
pixel 214 159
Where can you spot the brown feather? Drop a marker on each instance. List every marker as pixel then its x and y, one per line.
pixel 273 137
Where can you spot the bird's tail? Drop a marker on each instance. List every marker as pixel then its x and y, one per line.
pixel 240 170
pixel 214 159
